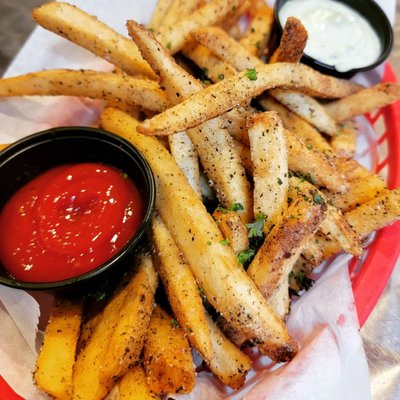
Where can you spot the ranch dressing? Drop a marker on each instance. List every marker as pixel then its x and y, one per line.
pixel 337 35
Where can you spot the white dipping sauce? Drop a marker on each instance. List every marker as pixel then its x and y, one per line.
pixel 337 34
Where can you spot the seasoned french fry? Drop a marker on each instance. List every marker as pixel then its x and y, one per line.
pixel 133 385
pixel 345 140
pixel 225 47
pixel 86 83
pixel 214 145
pixel 303 130
pixel 270 166
pixel 159 13
pixel 292 43
pixel 225 95
pixel 177 36
pixel 202 244
pixel 307 108
pixel 232 228
pixel 259 31
pixel 366 100
pixel 177 10
pixel 274 260
pixel 167 357
pixel 229 364
pixel 182 290
pixel 126 342
pixel 53 373
pixel 110 350
pixel 87 31
pixel 216 69
pixel 235 123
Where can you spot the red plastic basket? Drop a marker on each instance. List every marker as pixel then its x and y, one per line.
pixel 370 275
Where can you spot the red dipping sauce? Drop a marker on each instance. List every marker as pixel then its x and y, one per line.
pixel 68 221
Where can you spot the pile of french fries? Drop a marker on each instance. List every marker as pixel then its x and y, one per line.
pixel 219 113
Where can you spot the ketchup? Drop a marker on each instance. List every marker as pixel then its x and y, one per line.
pixel 68 221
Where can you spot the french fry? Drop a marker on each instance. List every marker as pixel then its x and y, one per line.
pixel 228 363
pixel 88 32
pixel 292 43
pixel 53 373
pixel 86 83
pixel 232 228
pixel 232 91
pixel 235 122
pixel 167 357
pixel 270 166
pixel 345 140
pixel 307 108
pixel 201 243
pixel 213 143
pixel 365 101
pixel 133 385
pixel 225 47
pixel 177 10
pixel 110 351
pixel 257 36
pixel 302 129
pixel 273 262
pixel 159 13
pixel 177 36
pixel 182 290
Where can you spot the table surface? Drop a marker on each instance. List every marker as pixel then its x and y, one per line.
pixel 381 332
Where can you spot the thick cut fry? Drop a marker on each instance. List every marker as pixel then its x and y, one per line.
pixel 133 386
pixel 225 47
pixel 55 362
pixel 302 129
pixel 229 364
pixel 270 166
pixel 314 164
pixel 167 357
pixel 345 141
pixel 307 108
pixel 257 36
pixel 87 31
pixel 126 341
pixel 182 290
pixel 110 350
pixel 274 260
pixel 232 228
pixel 334 226
pixel 366 100
pixel 177 36
pixel 292 43
pixel 232 91
pixel 203 246
pixel 214 145
pixel 87 83
pixel 214 67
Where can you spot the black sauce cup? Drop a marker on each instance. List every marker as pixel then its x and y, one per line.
pixel 29 157
pixel 375 17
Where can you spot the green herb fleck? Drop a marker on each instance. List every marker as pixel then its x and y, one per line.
pixel 256 227
pixel 209 243
pixel 309 146
pixel 251 74
pixel 168 45
pixel 245 256
pixel 280 182
pixel 318 199
pixel 221 77
pixel 301 279
pixel 258 45
pixel 225 242
pixel 174 323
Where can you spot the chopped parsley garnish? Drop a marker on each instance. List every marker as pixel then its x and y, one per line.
pixel 221 76
pixel 209 243
pixel 251 74
pixel 256 227
pixel 318 199
pixel 225 242
pixel 280 182
pixel 301 279
pixel 233 207
pixel 168 45
pixel 174 323
pixel 246 256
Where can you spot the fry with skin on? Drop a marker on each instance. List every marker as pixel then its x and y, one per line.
pixel 232 91
pixel 202 244
pixel 182 290
pixel 273 262
pixel 167 357
pixel 270 166
pixel 86 83
pixel 214 145
pixel 175 37
pixel 54 365
pixel 365 101
pixel 257 36
pixel 88 32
